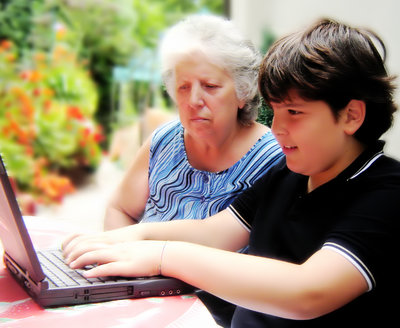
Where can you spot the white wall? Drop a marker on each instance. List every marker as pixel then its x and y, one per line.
pixel 285 16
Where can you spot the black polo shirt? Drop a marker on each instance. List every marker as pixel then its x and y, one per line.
pixel 357 214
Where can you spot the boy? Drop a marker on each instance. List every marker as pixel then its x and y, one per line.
pixel 321 225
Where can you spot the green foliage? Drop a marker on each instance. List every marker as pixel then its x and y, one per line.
pixel 268 39
pixel 137 85
pixel 265 114
pixel 16 21
pixel 73 85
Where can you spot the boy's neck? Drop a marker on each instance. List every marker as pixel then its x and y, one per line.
pixel 348 157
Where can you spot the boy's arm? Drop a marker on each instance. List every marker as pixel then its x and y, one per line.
pixel 325 282
pixel 220 231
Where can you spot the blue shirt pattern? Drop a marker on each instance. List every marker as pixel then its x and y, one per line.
pixel 179 191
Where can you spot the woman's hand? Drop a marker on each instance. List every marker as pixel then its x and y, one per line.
pixel 127 259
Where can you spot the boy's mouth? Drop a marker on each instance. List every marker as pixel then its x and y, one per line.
pixel 288 149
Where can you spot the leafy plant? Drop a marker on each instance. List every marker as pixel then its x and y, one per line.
pixel 16 21
pixel 46 120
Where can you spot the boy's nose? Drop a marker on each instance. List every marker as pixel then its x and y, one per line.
pixel 278 127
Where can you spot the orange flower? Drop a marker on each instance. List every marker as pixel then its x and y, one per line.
pixel 36 92
pixel 75 112
pixel 11 57
pixel 54 186
pixel 39 57
pixel 36 76
pixel 6 44
pixel 47 105
pixel 29 150
pixel 98 137
pixel 47 92
pixel 27 107
pixel 16 90
pixel 31 75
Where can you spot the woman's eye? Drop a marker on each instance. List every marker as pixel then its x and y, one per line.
pixel 183 87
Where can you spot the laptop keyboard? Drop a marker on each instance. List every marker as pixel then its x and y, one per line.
pixel 59 274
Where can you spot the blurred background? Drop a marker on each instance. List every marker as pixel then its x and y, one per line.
pixel 80 87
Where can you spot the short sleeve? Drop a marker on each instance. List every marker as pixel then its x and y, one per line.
pixel 367 233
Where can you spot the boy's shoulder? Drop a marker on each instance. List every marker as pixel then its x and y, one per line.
pixel 373 163
pixel 386 166
pixel 381 174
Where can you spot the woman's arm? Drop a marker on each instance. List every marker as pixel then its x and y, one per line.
pixel 129 200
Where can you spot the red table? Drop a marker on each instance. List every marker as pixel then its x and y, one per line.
pixel 17 309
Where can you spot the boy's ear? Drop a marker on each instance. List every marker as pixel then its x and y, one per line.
pixel 354 115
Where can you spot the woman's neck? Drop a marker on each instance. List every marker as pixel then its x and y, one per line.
pixel 218 154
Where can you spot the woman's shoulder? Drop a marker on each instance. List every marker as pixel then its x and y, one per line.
pixel 167 131
pixel 261 136
pixel 258 131
pixel 262 150
pixel 167 127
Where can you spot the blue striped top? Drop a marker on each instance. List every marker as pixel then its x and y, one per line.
pixel 179 191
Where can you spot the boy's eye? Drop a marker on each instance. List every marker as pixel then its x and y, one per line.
pixel 293 112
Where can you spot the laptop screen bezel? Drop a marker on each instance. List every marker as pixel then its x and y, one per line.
pixel 13 232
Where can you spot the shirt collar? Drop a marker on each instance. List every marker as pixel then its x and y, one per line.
pixel 364 161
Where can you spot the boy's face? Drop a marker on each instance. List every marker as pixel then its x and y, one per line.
pixel 314 141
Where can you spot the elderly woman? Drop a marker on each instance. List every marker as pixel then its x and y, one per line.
pixel 194 167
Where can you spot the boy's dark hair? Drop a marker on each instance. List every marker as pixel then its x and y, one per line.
pixel 334 63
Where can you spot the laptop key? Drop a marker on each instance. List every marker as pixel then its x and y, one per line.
pixel 62 275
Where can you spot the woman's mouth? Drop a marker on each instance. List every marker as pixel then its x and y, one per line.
pixel 198 119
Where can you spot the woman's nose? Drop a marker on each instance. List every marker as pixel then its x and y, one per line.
pixel 196 96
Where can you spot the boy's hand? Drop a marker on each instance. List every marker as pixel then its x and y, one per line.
pixel 128 259
pixel 76 244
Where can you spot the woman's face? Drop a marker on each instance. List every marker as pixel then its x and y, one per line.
pixel 206 97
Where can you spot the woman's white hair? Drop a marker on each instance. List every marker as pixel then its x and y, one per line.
pixel 225 46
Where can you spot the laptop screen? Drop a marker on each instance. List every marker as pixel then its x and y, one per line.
pixel 13 234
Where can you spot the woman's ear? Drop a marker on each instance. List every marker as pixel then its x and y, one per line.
pixel 354 115
pixel 242 103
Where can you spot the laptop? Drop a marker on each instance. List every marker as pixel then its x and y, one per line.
pixel 50 281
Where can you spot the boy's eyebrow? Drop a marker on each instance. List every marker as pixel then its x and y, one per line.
pixel 289 103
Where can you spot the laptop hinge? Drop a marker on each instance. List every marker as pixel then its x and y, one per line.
pixel 23 275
